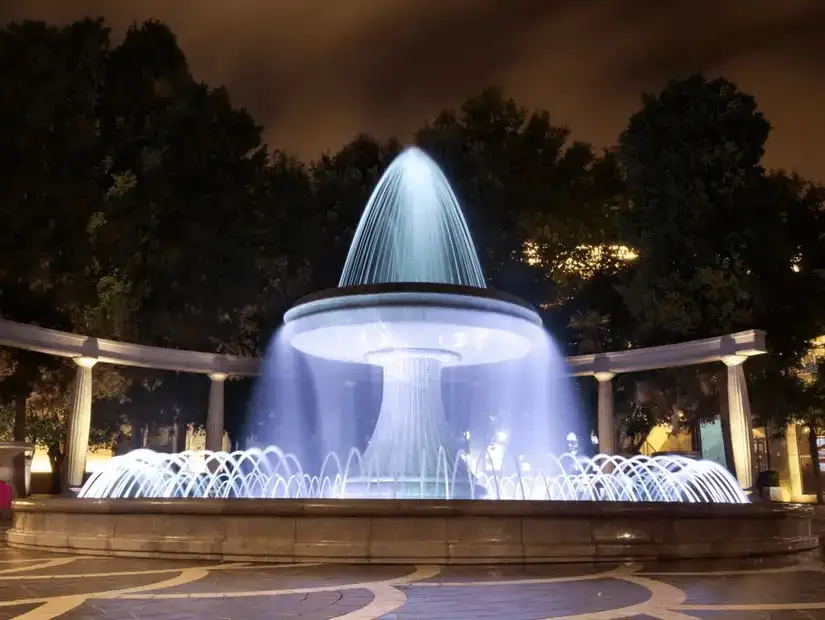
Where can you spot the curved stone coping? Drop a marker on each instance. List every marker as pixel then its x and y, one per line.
pixel 412 294
pixel 747 343
pixel 66 344
pixel 413 287
pixel 13 448
pixel 409 531
pixel 410 507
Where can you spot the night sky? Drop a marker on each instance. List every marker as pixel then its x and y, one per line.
pixel 315 72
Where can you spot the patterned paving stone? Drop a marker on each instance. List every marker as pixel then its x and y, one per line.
pixel 532 601
pixel 40 586
pixel 453 573
pixel 63 587
pixel 66 565
pixel 759 615
pixel 289 577
pixel 321 606
pixel 792 587
pixel 7 613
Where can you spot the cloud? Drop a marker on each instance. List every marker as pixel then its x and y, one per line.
pixel 316 72
pixel 686 37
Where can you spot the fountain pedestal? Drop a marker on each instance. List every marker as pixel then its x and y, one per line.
pixel 413 331
pixel 410 453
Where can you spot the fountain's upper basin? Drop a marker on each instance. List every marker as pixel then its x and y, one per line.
pixel 457 324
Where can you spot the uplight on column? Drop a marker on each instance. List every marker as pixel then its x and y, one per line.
pixel 739 419
pixel 215 415
pixel 606 418
pixel 80 421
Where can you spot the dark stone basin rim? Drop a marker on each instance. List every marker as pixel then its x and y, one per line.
pixel 412 508
pixel 412 294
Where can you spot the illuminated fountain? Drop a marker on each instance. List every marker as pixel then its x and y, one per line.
pixel 269 473
pixel 413 302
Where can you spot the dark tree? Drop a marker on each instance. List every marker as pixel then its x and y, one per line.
pixel 723 245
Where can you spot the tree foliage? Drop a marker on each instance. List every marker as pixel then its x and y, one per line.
pixel 723 245
pixel 139 201
pixel 690 160
pixel 525 186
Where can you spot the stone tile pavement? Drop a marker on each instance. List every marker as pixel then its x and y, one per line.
pixel 41 586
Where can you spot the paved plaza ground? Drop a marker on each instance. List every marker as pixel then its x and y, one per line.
pixel 39 586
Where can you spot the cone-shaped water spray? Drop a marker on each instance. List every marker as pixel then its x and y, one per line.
pixel 412 299
pixel 412 230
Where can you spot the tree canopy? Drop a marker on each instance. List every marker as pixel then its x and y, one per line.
pixel 138 200
pixel 723 244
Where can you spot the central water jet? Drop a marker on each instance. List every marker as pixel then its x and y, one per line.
pixel 412 230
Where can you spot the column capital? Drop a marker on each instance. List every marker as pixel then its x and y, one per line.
pixel 84 361
pixel 604 377
pixel 218 376
pixel 733 360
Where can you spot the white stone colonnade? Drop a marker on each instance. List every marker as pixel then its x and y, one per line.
pixel 86 352
pixel 731 349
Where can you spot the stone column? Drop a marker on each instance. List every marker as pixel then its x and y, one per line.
pixel 606 419
pixel 794 472
pixel 80 421
pixel 214 417
pixel 739 420
pixel 175 438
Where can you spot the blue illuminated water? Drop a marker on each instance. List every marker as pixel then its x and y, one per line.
pixel 412 230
